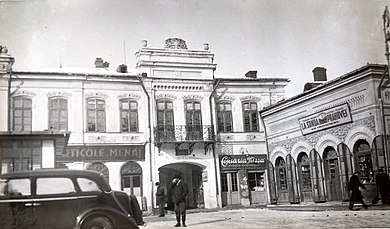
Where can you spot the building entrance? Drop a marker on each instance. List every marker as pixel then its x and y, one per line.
pixel 332 174
pixel 192 175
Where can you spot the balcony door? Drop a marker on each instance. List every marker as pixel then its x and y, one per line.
pixel 193 121
pixel 166 130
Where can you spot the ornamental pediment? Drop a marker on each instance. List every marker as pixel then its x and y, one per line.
pixel 226 98
pixel 24 93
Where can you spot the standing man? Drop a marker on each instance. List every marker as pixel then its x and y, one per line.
pixel 356 196
pixel 383 185
pixel 160 199
pixel 179 191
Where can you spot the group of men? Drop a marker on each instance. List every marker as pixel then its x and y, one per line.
pixel 177 192
pixel 383 186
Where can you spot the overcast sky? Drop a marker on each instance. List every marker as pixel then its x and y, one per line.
pixel 278 38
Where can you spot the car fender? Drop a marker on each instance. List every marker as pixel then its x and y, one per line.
pixel 112 214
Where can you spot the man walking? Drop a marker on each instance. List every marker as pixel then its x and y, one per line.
pixel 160 199
pixel 356 196
pixel 179 191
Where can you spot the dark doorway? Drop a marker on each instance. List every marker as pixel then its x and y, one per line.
pixel 332 174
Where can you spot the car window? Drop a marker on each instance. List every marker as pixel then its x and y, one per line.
pixel 87 185
pixel 15 187
pixel 55 185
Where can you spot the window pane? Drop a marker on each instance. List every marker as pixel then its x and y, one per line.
pixel 224 182
pixel 125 105
pixel 228 106
pixel 18 103
pixel 253 106
pixel 197 106
pixel 55 185
pixel 19 187
pixel 87 185
pixel 189 106
pixel 161 105
pixel 169 106
pixel 133 106
pixel 136 181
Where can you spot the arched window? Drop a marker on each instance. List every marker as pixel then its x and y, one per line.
pixel 58 114
pixel 281 174
pixel 304 171
pixel 100 167
pixel 22 113
pixel 363 160
pixel 131 174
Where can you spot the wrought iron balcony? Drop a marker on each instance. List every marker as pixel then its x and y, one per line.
pixel 182 134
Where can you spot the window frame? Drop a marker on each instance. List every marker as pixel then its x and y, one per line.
pixel 250 114
pixel 224 117
pixel 58 116
pixel 95 112
pixel 129 112
pixel 24 118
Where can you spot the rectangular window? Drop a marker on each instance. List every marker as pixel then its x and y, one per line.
pixel 224 115
pixel 16 187
pixel 22 114
pixel 250 116
pixel 58 114
pixel 96 114
pixel 282 179
pixel 256 181
pixel 129 116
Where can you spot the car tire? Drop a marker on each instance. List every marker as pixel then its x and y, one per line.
pixel 97 223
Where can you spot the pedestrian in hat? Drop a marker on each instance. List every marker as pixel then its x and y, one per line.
pixel 356 196
pixel 160 199
pixel 179 192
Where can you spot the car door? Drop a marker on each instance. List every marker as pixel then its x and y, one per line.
pixel 55 203
pixel 16 206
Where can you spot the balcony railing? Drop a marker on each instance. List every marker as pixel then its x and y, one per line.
pixel 182 133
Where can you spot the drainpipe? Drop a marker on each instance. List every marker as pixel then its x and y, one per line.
pixel 9 96
pixel 384 142
pixel 150 139
pixel 215 86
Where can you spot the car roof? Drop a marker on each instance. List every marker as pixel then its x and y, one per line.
pixel 59 172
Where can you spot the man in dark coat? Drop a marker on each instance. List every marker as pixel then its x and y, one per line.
pixel 383 184
pixel 356 196
pixel 179 192
pixel 160 199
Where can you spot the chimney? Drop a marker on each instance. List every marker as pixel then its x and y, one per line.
pixel 122 68
pixel 319 74
pixel 251 74
pixel 99 62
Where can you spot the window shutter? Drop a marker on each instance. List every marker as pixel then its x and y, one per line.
pixel 318 189
pixel 345 168
pixel 271 183
pixel 292 183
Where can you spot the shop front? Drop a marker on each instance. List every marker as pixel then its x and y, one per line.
pixel 243 179
pixel 113 161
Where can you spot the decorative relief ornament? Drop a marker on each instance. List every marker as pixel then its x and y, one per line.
pixel 192 97
pixel 24 93
pixel 166 96
pixel 129 96
pixel 250 97
pixel 175 43
pixel 226 98
pixel 96 94
pixel 59 94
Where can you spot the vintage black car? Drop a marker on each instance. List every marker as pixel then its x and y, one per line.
pixel 61 199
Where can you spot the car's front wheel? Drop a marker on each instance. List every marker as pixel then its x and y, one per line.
pixel 97 223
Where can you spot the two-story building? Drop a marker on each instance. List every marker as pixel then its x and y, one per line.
pixel 171 114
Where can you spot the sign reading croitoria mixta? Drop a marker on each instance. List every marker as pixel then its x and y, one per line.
pixel 242 161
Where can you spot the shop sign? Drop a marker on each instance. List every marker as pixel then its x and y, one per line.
pixel 204 176
pixel 102 153
pixel 228 162
pixel 325 119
